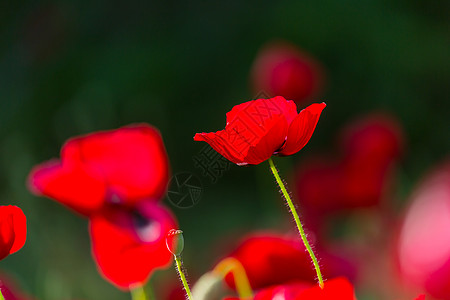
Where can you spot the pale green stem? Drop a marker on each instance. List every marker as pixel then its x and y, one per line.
pixel 182 276
pixel 232 265
pixel 297 221
pixel 138 293
pixel 1 296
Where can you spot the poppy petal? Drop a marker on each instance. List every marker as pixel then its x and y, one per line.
pixel 13 230
pixel 7 234
pixel 337 288
pixel 73 186
pixel 302 128
pixel 132 160
pixel 20 228
pixel 276 104
pixel 219 141
pixel 269 143
pixel 254 130
pixel 127 249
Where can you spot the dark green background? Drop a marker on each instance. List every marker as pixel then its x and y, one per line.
pixel 72 67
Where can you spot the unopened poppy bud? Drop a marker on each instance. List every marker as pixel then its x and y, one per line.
pixel 175 241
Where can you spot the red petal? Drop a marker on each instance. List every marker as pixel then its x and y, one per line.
pixel 420 297
pixel 20 228
pixel 272 259
pixel 302 128
pixel 132 160
pixel 269 143
pixel 334 289
pixel 7 234
pixel 286 292
pixel 13 230
pixel 249 136
pixel 73 186
pixel 127 254
pixel 278 105
pixel 129 164
pixel 220 141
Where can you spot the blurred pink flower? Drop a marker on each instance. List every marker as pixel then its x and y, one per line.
pixel 423 248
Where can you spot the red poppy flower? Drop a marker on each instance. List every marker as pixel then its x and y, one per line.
pixel 282 69
pixel 272 259
pixel 13 230
pixel 116 178
pixel 257 129
pixel 129 245
pixel 359 178
pixel 334 289
pixel 423 247
pixel 122 166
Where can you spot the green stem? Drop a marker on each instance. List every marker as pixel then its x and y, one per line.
pixel 297 220
pixel 182 276
pixel 233 266
pixel 138 293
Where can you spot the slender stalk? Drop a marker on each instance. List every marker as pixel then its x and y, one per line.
pixel 297 220
pixel 232 265
pixel 138 293
pixel 182 276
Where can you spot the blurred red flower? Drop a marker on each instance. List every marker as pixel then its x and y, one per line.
pixel 359 179
pixel 123 166
pixel 282 69
pixel 272 259
pixel 334 289
pixel 116 178
pixel 423 247
pixel 13 230
pixel 258 129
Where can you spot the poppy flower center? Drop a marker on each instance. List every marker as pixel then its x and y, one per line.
pixel 148 230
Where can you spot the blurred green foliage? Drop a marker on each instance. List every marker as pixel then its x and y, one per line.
pixel 72 67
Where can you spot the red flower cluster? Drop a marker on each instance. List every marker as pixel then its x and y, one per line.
pixel 115 178
pixel 282 69
pixel 13 230
pixel 258 129
pixel 361 176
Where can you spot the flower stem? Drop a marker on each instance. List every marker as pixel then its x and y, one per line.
pixel 138 293
pixel 232 265
pixel 182 276
pixel 297 220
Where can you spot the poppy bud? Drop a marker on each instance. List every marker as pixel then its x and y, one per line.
pixel 175 241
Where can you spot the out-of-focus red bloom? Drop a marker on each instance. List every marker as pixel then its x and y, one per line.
pixel 423 250
pixel 123 166
pixel 286 292
pixel 129 245
pixel 271 259
pixel 421 297
pixel 282 69
pixel 258 129
pixel 370 147
pixel 334 289
pixel 116 178
pixel 13 230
